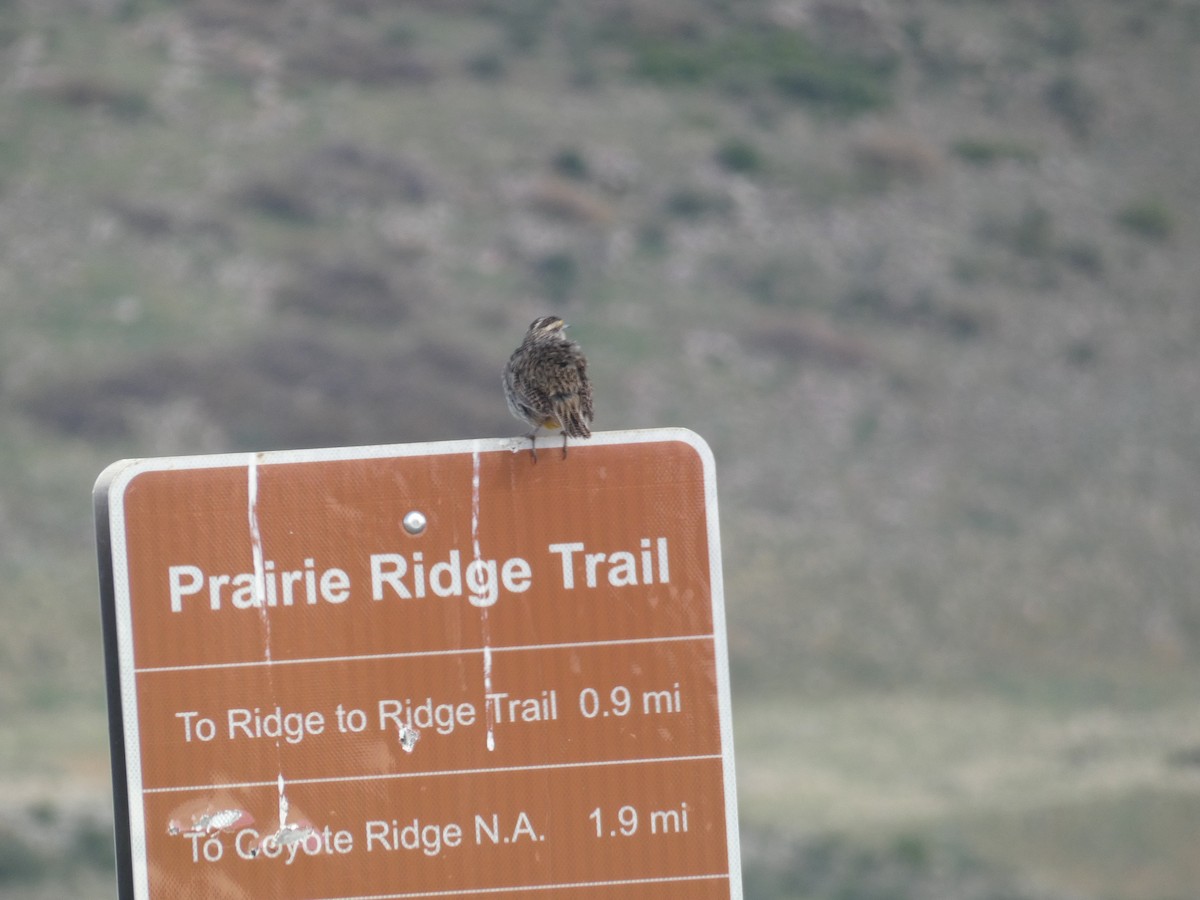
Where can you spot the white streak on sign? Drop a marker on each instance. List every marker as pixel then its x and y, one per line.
pixel 483 610
pixel 256 549
pixel 288 833
pixel 283 804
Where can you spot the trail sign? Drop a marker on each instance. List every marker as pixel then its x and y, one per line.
pixel 420 670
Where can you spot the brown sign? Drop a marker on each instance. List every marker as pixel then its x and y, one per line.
pixel 419 671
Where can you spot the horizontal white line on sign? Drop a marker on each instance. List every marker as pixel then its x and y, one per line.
pixel 413 654
pixel 274 783
pixel 538 887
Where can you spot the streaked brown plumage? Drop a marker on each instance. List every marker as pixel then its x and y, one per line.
pixel 546 383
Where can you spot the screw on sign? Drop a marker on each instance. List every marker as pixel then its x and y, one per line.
pixel 420 670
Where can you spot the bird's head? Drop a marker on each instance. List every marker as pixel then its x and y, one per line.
pixel 547 325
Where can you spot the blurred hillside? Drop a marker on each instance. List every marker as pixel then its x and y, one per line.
pixel 923 273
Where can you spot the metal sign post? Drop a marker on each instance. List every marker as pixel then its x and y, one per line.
pixel 420 671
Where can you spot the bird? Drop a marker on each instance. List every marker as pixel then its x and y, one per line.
pixel 546 383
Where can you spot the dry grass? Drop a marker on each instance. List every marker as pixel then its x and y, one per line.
pixel 294 388
pixel 944 351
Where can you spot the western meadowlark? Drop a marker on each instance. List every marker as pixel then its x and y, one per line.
pixel 546 383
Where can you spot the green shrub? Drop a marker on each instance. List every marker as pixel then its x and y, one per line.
pixel 486 65
pixel 652 239
pixel 92 844
pixel 1074 103
pixel 1149 219
pixel 1065 35
pixel 738 155
pixel 1030 234
pixel 989 151
pixel 525 22
pixel 695 203
pixel 1060 33
pixel 570 162
pixel 1084 257
pixel 19 860
pixel 557 275
pixel 787 63
pixel 94 93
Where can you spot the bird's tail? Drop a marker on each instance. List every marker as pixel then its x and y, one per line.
pixel 570 416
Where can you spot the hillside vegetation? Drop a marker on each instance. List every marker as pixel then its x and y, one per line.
pixel 923 273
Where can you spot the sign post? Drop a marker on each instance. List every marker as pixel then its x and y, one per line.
pixel 420 671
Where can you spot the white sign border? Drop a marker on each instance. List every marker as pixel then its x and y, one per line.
pixel 109 498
